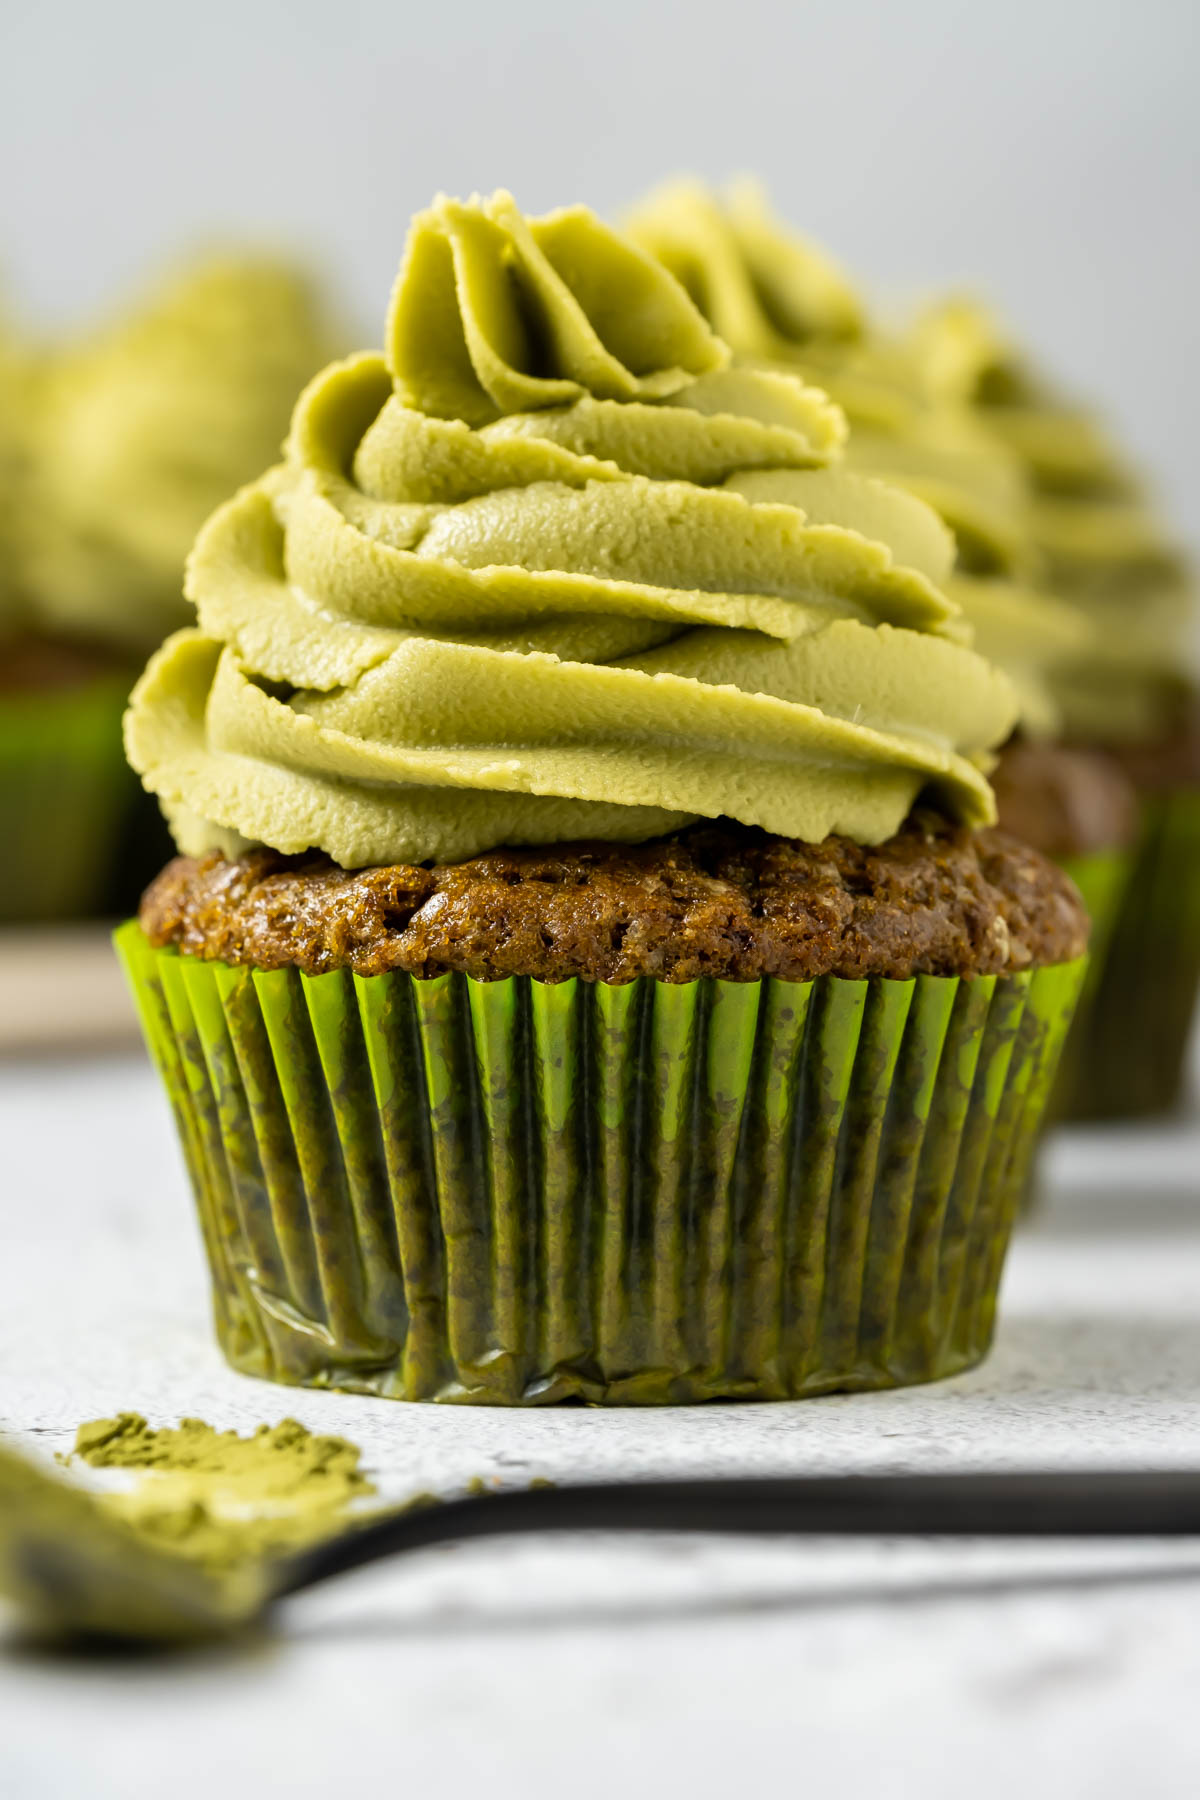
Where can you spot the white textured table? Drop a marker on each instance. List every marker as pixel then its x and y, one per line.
pixel 678 1666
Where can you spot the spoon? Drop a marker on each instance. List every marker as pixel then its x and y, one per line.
pixel 73 1568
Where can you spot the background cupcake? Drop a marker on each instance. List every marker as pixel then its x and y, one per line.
pixel 127 440
pixel 784 303
pixel 18 367
pixel 60 702
pixel 1130 690
pixel 596 1017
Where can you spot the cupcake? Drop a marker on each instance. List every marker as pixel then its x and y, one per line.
pixel 590 971
pixel 126 443
pixel 18 376
pixel 1129 693
pixel 60 703
pixel 1070 802
pixel 781 302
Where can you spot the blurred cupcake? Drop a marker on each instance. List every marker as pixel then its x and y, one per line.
pixel 18 375
pixel 60 703
pixel 1130 691
pixel 1069 802
pixel 780 302
pixel 126 442
pixel 148 425
pixel 589 972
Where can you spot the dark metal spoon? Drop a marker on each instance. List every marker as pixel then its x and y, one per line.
pixel 73 1568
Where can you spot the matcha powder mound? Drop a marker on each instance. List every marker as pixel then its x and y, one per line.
pixel 220 1498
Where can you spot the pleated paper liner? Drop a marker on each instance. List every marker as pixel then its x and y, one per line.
pixel 515 1193
pixel 1136 1047
pixel 64 793
pixel 1101 877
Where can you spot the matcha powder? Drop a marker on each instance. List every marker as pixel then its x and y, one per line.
pixel 220 1498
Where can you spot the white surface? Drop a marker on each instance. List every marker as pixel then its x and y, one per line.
pixel 61 988
pixel 679 1666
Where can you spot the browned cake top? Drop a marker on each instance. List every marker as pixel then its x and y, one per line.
pixel 717 900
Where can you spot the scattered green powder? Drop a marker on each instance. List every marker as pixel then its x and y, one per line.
pixel 219 1498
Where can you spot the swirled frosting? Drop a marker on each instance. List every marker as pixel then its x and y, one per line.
pixel 764 289
pixel 1051 532
pixel 1036 639
pixel 551 568
pixel 149 425
pixel 778 300
pixel 1101 542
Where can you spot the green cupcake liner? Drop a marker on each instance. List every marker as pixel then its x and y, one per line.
pixel 64 793
pixel 516 1193
pixel 1140 1018
pixel 1102 877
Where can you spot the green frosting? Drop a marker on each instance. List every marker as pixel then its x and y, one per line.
pixel 777 299
pixel 1034 638
pixel 149 425
pixel 551 568
pixel 1101 543
pixel 1008 478
pixel 763 288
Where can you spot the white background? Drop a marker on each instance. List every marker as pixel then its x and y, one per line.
pixel 1046 149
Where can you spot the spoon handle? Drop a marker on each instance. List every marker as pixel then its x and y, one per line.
pixel 1077 1504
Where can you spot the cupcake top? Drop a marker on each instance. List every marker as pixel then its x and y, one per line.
pixel 148 426
pixel 550 568
pixel 1102 545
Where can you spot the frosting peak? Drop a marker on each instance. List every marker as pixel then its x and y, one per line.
pixel 493 313
pixel 550 568
pixel 764 288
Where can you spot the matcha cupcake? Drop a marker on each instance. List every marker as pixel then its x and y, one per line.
pixel 1129 692
pixel 782 303
pixel 18 382
pixel 590 971
pixel 1068 801
pixel 60 702
pixel 112 453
